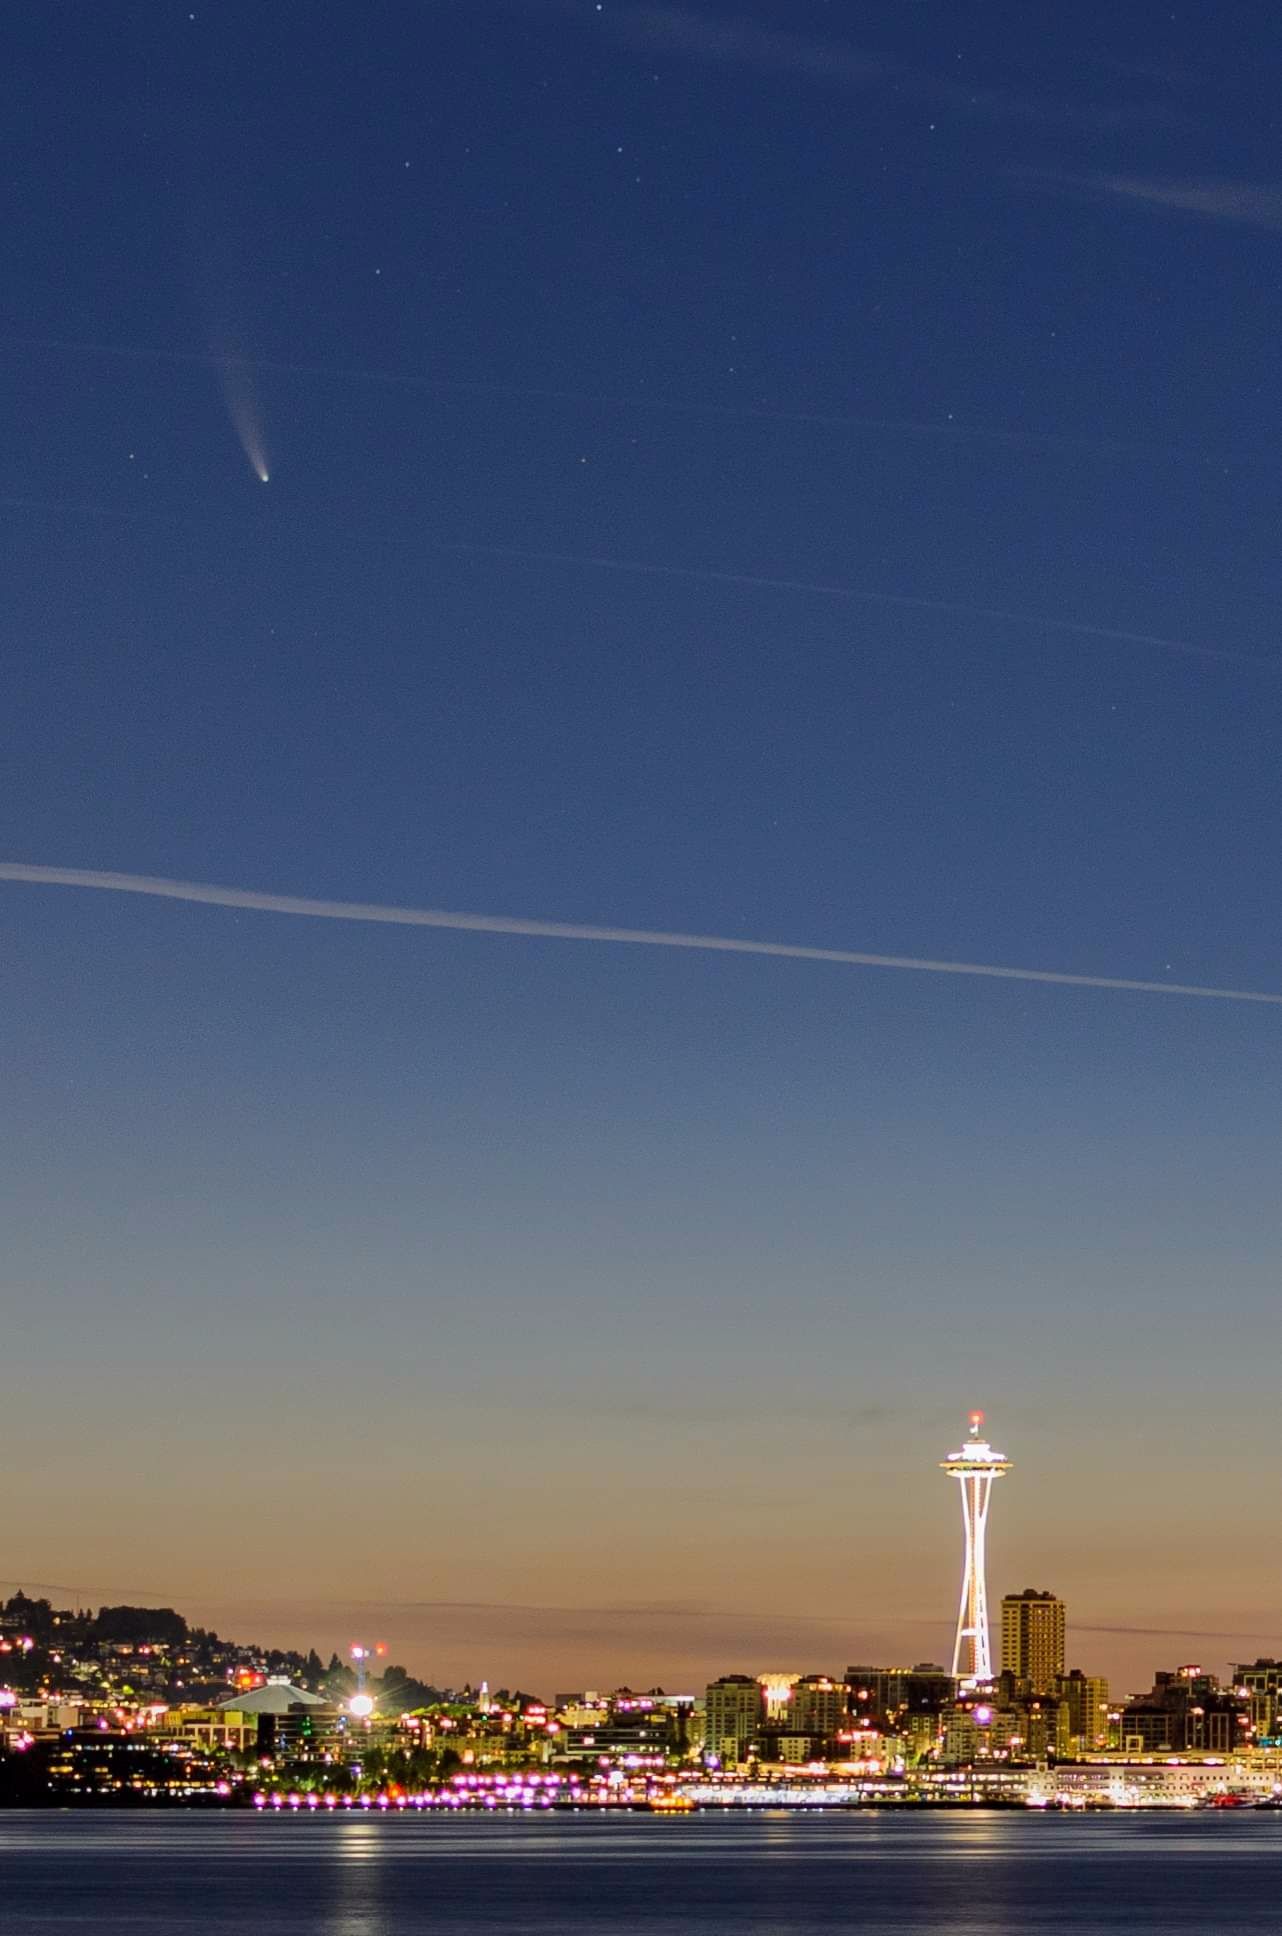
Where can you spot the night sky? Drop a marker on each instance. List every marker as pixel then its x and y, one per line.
pixel 573 1313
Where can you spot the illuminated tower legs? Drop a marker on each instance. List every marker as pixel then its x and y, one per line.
pixel 975 1466
pixel 972 1658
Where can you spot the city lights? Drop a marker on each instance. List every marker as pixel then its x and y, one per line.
pixel 99 1710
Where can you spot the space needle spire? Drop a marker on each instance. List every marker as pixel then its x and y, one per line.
pixel 975 1466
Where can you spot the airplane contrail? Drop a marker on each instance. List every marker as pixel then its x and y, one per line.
pixel 250 899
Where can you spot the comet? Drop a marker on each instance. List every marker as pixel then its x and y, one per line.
pixel 237 378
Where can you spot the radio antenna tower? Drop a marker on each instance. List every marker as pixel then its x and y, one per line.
pixel 976 1466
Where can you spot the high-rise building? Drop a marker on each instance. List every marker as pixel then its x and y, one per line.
pixel 733 1714
pixel 1033 1640
pixel 975 1466
pixel 818 1707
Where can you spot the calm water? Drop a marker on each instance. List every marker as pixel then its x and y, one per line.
pixel 972 1875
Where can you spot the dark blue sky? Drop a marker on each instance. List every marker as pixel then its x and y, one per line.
pixel 975 309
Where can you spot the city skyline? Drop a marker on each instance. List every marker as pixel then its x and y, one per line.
pixel 734 473
pixel 625 1645
pixel 148 1677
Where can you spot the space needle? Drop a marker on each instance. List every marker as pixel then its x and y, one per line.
pixel 976 1466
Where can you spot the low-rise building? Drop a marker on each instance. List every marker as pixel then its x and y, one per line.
pixel 285 1720
pixel 1083 1714
pixel 1261 1686
pixel 1186 1711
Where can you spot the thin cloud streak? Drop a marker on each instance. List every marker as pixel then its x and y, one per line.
pixel 1253 204
pixel 1179 1633
pixel 751 581
pixel 1245 204
pixel 694 1610
pixel 736 42
pixel 520 1610
pixel 952 608
pixel 730 412
pixel 36 874
pixel 743 43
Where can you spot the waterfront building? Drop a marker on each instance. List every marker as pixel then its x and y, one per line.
pixel 793 1749
pixel 630 1739
pixel 1119 1782
pixel 96 1765
pixel 627 1727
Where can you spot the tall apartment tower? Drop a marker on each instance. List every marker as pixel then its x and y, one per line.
pixel 735 1708
pixel 1033 1639
pixel 818 1706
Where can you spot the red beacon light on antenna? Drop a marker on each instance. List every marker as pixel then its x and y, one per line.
pixel 976 1422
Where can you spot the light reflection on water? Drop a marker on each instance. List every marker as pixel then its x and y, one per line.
pixel 981 1874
